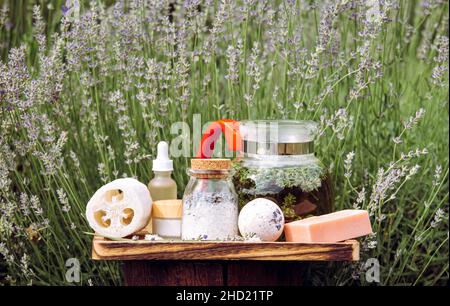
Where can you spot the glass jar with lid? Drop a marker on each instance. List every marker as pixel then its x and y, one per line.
pixel 277 162
pixel 210 203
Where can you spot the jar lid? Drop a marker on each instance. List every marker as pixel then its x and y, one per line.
pixel 268 148
pixel 210 164
pixel 278 137
pixel 167 209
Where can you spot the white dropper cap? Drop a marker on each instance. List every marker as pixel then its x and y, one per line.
pixel 162 161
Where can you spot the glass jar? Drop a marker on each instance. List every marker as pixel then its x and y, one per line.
pixel 210 202
pixel 277 162
pixel 166 218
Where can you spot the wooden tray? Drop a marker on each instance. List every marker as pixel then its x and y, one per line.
pixel 105 249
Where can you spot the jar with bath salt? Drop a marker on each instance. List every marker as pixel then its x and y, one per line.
pixel 210 203
pixel 166 218
pixel 277 162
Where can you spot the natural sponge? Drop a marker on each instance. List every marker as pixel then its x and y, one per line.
pixel 119 208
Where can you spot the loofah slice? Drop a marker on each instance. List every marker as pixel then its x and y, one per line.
pixel 119 208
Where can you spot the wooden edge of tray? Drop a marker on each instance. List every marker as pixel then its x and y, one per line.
pixel 106 249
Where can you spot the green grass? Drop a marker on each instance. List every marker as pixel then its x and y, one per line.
pixel 106 87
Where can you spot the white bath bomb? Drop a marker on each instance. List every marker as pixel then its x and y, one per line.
pixel 263 218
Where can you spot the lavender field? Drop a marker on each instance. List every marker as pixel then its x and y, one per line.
pixel 88 88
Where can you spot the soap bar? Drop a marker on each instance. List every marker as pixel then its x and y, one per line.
pixel 334 227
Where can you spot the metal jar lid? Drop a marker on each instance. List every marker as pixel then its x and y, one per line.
pixel 265 148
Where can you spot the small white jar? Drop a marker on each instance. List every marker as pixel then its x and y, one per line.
pixel 166 218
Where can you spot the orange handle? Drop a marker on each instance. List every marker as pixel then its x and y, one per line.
pixel 230 128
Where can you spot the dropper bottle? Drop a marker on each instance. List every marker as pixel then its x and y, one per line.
pixel 162 186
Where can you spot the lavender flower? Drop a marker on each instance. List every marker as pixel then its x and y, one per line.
pixel 438 217
pixel 414 120
pixel 441 69
pixel 63 200
pixel 360 198
pixel 233 60
pixel 4 11
pixel 253 69
pixel 348 164
pixel 437 175
pixel 39 28
pixel 339 122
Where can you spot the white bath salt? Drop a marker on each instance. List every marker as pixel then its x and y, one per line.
pixel 209 216
pixel 151 237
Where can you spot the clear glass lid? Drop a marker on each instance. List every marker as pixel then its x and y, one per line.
pixel 278 131
pixel 278 137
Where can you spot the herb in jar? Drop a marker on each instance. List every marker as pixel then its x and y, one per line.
pixel 299 191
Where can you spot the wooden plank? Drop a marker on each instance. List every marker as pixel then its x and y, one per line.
pixel 172 273
pixel 106 249
pixel 270 273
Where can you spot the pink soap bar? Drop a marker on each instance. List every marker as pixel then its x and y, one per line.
pixel 334 227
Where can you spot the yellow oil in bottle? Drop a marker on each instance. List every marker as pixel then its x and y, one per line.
pixel 162 186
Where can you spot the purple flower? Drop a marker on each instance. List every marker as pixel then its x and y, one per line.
pixel 68 6
pixel 64 9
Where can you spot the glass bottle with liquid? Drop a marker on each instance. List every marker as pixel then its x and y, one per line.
pixel 162 186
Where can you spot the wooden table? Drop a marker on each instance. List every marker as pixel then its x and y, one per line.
pixel 218 263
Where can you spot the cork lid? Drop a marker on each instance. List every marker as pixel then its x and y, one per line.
pixel 216 168
pixel 210 164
